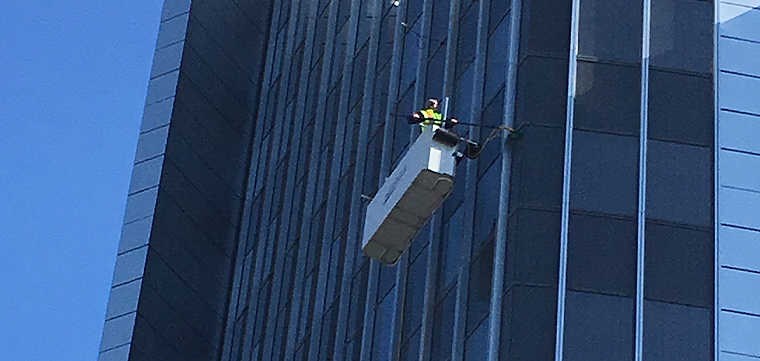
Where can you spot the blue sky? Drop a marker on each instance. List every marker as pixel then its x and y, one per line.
pixel 73 79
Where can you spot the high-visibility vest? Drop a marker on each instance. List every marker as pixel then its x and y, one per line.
pixel 432 117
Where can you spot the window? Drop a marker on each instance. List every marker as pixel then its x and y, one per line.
pixel 604 175
pixel 537 168
pixel 533 249
pixel 479 294
pixel 487 205
pixel 610 30
pixel 545 28
pixel 679 265
pixel 679 183
pixel 448 268
pixel 541 92
pixel 531 331
pixel 415 296
pixel 608 98
pixel 496 60
pixel 601 255
pixel 680 116
pixel 598 327
pixel 677 333
pixel 682 35
pixel 443 327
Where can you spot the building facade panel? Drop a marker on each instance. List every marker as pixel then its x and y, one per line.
pixel 275 123
pixel 739 200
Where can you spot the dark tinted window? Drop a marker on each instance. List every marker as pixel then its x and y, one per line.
pixel 604 174
pixel 541 92
pixel 545 27
pixel 450 256
pixel 532 254
pixel 677 333
pixel 607 98
pixel 487 204
pixel 476 346
pixel 493 115
pixel 601 255
pixel 679 183
pixel 679 265
pixel 381 344
pixel 678 115
pixel 467 39
pixel 537 168
pixel 611 30
pixel 530 333
pixel 496 60
pixel 443 327
pixel 479 294
pixel 682 35
pixel 415 295
pixel 598 327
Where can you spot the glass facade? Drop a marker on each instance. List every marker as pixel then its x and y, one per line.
pixel 598 225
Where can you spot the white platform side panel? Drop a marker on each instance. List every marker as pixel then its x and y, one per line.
pixel 419 184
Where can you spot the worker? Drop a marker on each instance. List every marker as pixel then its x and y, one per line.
pixel 430 115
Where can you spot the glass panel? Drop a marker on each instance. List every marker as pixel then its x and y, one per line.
pixel 450 256
pixel 487 205
pixel 415 295
pixel 598 327
pixel 601 255
pixel 679 183
pixel 677 115
pixel 479 294
pixel 604 173
pixel 476 346
pixel 381 344
pixel 533 248
pixel 537 168
pixel 677 333
pixel 530 331
pixel 496 61
pixel 679 265
pixel 682 35
pixel 608 98
pixel 546 28
pixel 443 327
pixel 467 37
pixel 541 92
pixel 611 30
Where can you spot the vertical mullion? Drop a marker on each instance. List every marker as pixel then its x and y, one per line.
pixel 716 181
pixel 471 180
pixel 426 327
pixel 571 86
pixel 641 221
pixel 399 45
pixel 451 48
pixel 500 246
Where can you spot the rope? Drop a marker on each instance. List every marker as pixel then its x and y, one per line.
pixel 492 136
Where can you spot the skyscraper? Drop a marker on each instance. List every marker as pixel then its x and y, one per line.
pixel 623 225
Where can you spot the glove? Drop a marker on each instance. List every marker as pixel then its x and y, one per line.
pixel 450 123
pixel 415 118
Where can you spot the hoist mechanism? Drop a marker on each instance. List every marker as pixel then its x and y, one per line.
pixel 416 188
